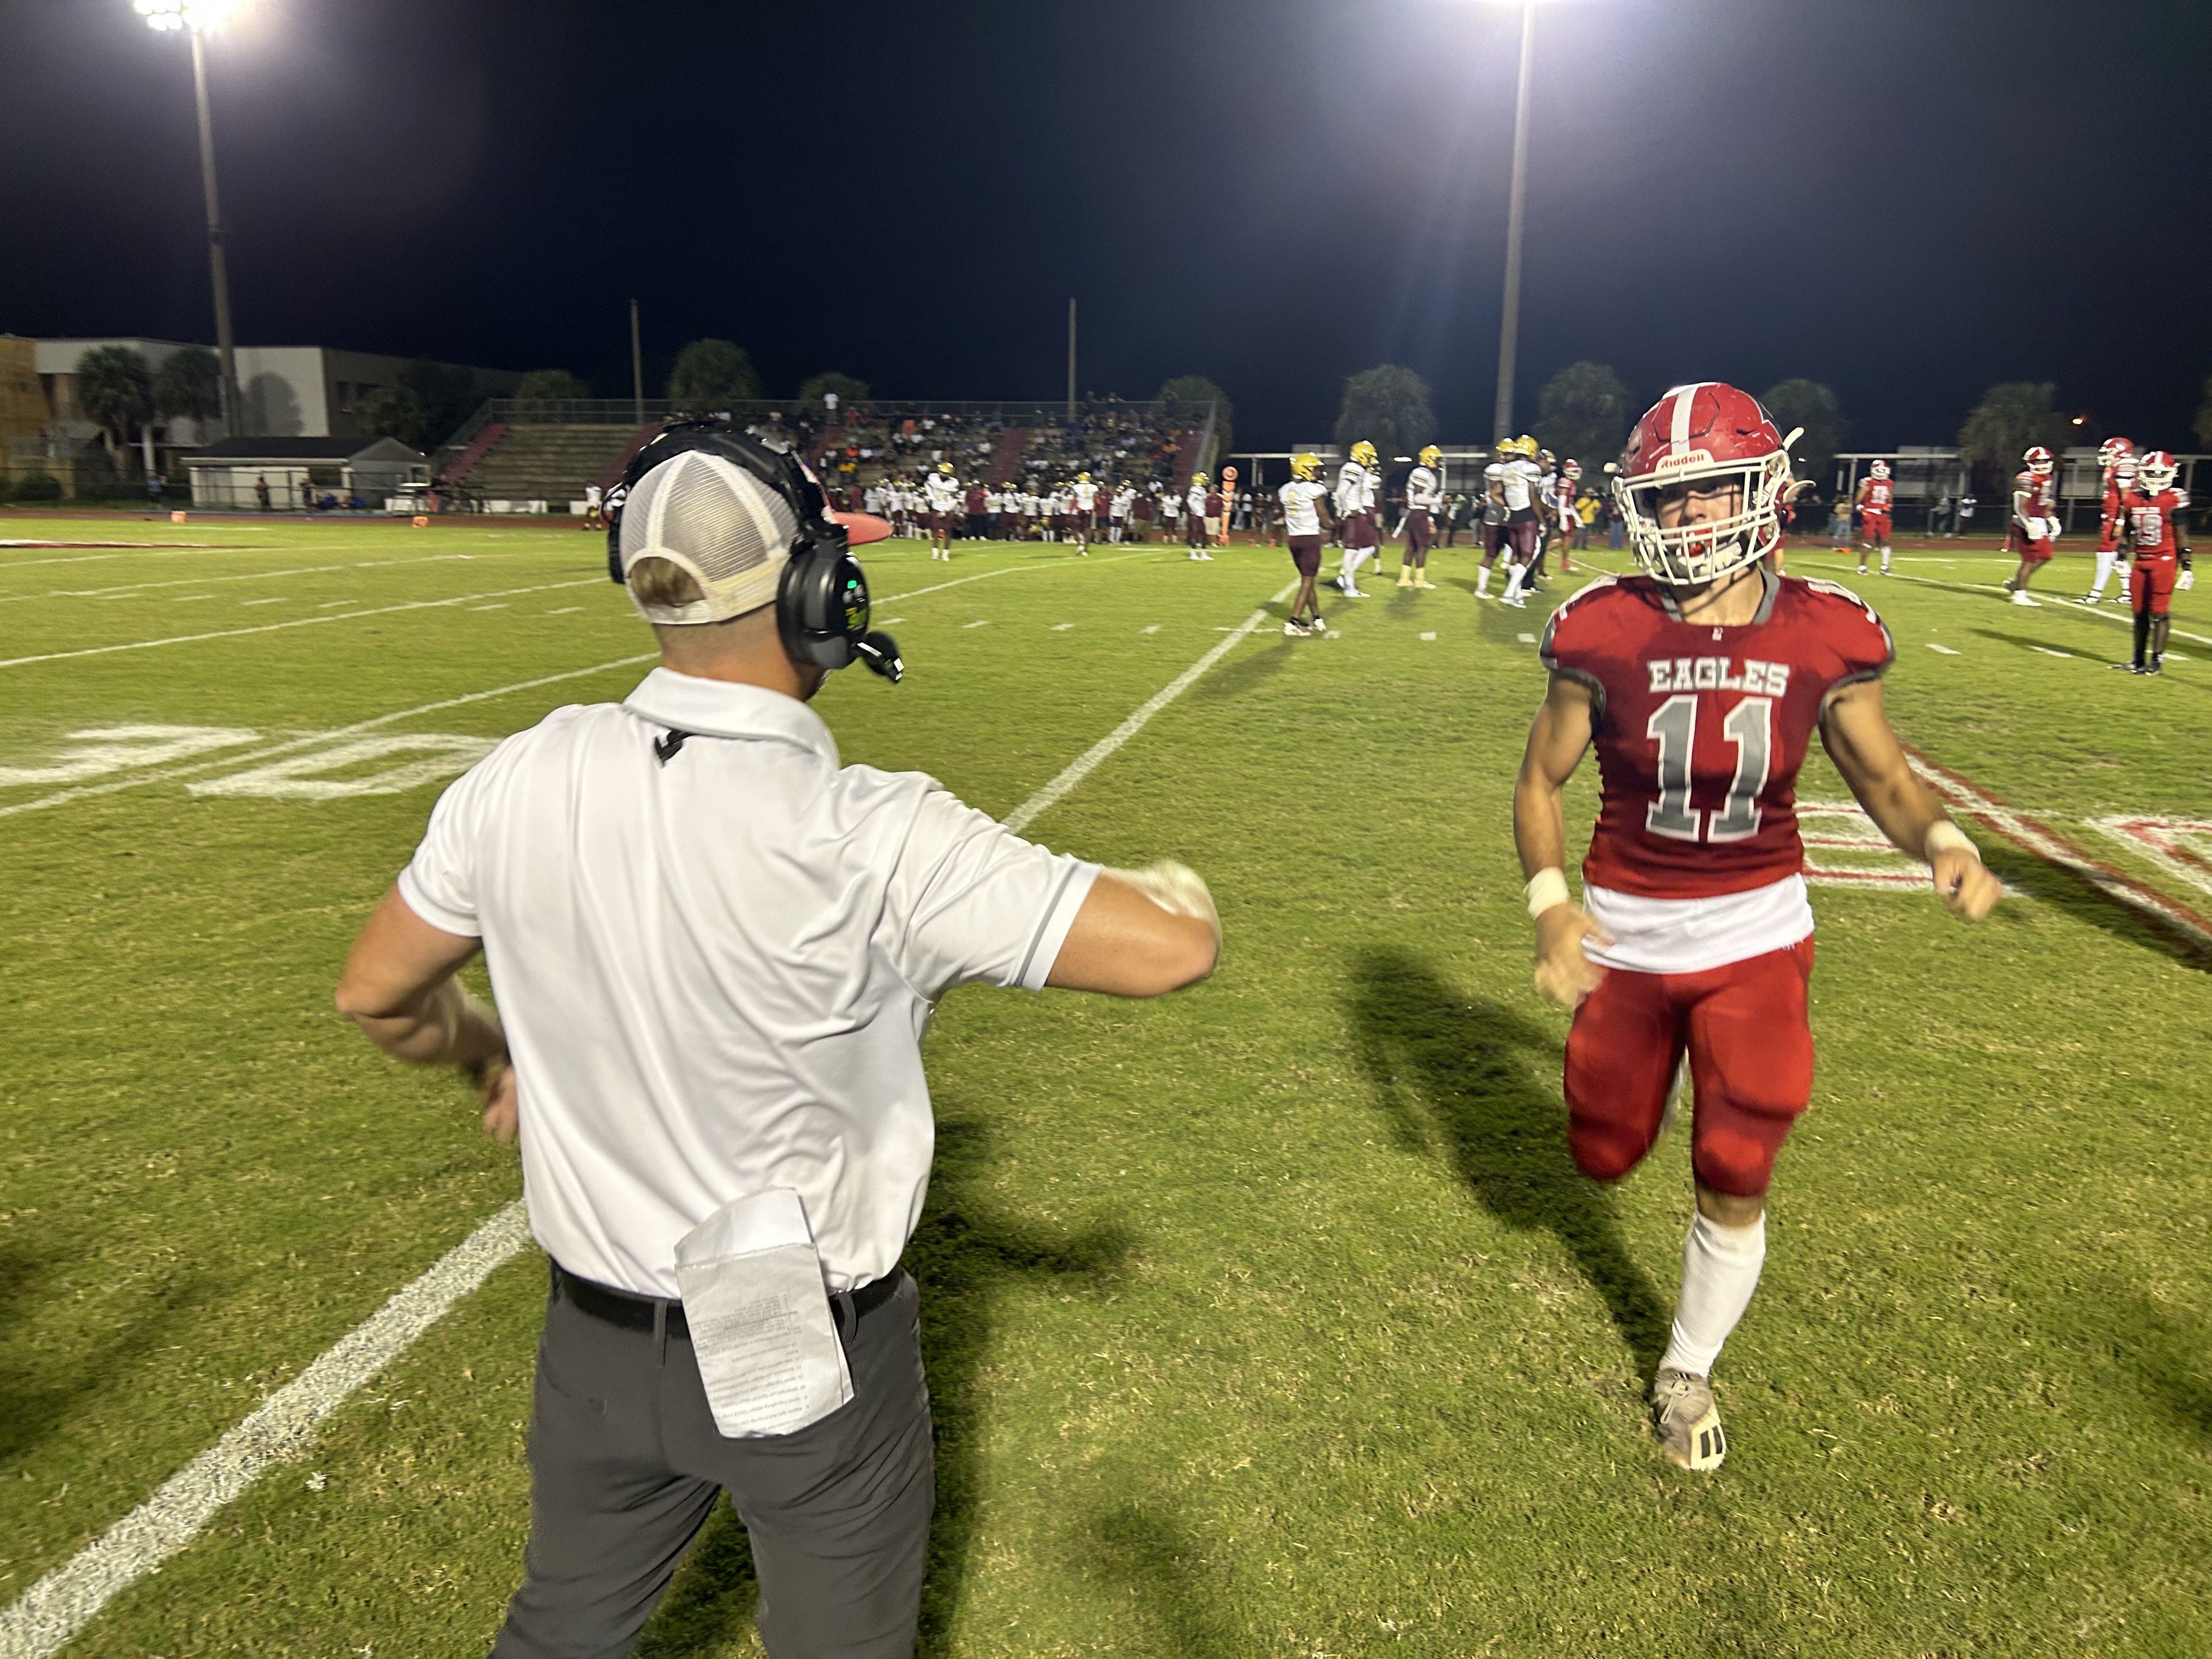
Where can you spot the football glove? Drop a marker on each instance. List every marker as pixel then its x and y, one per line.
pixel 2185 581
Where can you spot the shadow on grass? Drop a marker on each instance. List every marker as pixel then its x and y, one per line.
pixel 1453 1074
pixel 1249 670
pixel 39 1391
pixel 2062 888
pixel 1154 1559
pixel 966 1256
pixel 2171 1354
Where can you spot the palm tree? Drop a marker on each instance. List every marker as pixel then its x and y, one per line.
pixel 115 390
pixel 2012 416
pixel 1808 404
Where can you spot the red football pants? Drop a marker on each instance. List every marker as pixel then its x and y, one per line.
pixel 1750 1062
pixel 2150 582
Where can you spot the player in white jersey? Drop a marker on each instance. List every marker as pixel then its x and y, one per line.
pixel 1355 485
pixel 942 488
pixel 1425 499
pixel 1193 506
pixel 1083 501
pixel 1117 510
pixel 1305 512
pixel 1512 481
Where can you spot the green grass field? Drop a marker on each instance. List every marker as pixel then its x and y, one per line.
pixel 1267 1319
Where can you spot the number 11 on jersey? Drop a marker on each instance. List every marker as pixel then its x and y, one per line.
pixel 1674 727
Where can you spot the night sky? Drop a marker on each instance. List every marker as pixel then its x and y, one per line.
pixel 1908 200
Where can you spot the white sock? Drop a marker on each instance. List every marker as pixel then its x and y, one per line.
pixel 1720 1270
pixel 1885 558
pixel 2107 557
pixel 1482 583
pixel 1513 573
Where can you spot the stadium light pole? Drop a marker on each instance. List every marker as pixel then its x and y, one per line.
pixel 1509 323
pixel 199 19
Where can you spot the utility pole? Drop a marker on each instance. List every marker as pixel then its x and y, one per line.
pixel 1071 356
pixel 226 346
pixel 1509 325
pixel 636 365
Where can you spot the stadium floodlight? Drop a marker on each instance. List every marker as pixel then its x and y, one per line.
pixel 200 16
pixel 199 19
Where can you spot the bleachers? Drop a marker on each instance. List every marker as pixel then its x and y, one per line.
pixel 549 462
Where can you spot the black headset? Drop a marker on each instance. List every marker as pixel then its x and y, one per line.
pixel 822 602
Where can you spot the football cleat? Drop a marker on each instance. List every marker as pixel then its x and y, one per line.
pixel 1687 1421
pixel 2126 668
pixel 1295 629
pixel 2020 597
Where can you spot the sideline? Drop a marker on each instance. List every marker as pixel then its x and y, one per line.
pixel 52 1612
pixel 2050 601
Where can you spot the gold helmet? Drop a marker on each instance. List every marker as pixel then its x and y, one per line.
pixel 945 467
pixel 1431 454
pixel 1198 477
pixel 1363 452
pixel 1527 447
pixel 1082 478
pixel 1305 466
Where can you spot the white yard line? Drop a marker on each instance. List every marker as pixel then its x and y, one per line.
pixel 53 1610
pixel 299 622
pixel 240 576
pixel 51 1614
pixel 2054 601
pixel 1084 764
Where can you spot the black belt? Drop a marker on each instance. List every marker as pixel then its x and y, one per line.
pixel 637 1313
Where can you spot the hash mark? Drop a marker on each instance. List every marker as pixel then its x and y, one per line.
pixel 2048 652
pixel 564 609
pixel 274 599
pixel 1154 628
pixel 488 607
pixel 1431 636
pixel 1526 639
pixel 1061 628
pixel 980 622
pixel 1945 649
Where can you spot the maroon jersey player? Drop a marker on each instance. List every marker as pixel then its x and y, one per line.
pixel 2034 526
pixel 1877 500
pixel 1701 683
pixel 2151 521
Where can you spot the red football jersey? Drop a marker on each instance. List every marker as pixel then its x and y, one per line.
pixel 1875 495
pixel 1700 731
pixel 2150 522
pixel 2036 494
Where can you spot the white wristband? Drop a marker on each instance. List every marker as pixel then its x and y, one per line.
pixel 1546 889
pixel 1942 836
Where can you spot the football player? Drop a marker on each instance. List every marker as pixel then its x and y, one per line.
pixel 1425 499
pixel 1085 494
pixel 1305 514
pixel 2117 456
pixel 942 488
pixel 1875 501
pixel 1355 510
pixel 1571 528
pixel 2152 517
pixel 1194 516
pixel 1516 487
pixel 1701 683
pixel 2034 524
pixel 1493 511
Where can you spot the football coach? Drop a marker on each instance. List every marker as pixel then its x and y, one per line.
pixel 715 950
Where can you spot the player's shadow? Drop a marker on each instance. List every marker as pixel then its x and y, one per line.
pixel 2121 646
pixel 37 1399
pixel 1249 669
pixel 2168 1352
pixel 2056 886
pixel 967 1256
pixel 1459 1074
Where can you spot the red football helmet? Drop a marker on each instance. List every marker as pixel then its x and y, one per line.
pixel 2111 452
pixel 1571 470
pixel 1704 433
pixel 2037 458
pixel 2155 472
pixel 1878 469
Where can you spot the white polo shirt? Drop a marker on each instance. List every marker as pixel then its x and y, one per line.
pixel 714 972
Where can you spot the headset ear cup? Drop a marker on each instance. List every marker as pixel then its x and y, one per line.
pixel 811 609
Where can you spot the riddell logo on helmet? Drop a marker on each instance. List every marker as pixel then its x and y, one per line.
pixel 1680 458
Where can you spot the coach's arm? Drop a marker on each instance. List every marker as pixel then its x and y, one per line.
pixel 399 988
pixel 1858 738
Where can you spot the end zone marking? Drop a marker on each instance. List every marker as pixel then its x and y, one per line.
pixel 53 1610
pixel 2036 839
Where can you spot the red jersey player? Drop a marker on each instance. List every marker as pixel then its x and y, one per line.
pixel 1701 683
pixel 1877 497
pixel 2034 524
pixel 2150 515
pixel 2118 457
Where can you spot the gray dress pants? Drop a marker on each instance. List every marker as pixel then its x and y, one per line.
pixel 626 1463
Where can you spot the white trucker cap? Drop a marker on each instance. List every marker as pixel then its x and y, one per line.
pixel 708 516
